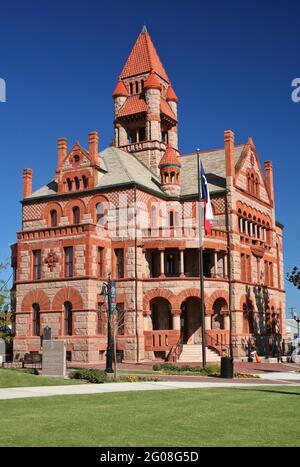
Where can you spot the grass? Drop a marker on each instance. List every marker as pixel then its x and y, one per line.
pixel 14 379
pixel 253 416
pixel 137 372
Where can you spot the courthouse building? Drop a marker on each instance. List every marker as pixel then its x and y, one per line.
pixel 131 210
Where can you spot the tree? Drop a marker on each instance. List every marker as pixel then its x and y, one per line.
pixel 294 277
pixel 5 316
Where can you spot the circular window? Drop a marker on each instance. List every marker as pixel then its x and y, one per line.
pixel 76 158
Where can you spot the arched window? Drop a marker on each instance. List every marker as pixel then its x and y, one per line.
pixel 100 214
pixel 137 87
pixel 130 88
pixel 53 218
pixel 77 183
pixel 76 215
pixel 68 318
pixel 85 181
pixel 69 183
pixel 153 216
pixel 36 319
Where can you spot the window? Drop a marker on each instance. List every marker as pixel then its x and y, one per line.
pixel 77 183
pixel 142 134
pixel 100 214
pixel 100 321
pixel 68 261
pixel 171 218
pixel 136 87
pixel 100 261
pixel 170 260
pixel 37 265
pixel 76 158
pixel 76 215
pixel 85 181
pixel 53 218
pixel 36 328
pixel 68 318
pixel 121 318
pixel 119 253
pixel 165 137
pixel 69 183
pixel 130 88
pixel 142 83
pixel 153 217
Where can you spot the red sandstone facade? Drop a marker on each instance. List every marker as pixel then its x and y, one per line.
pixel 131 210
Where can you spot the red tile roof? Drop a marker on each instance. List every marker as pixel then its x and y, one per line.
pixel 120 89
pixel 170 157
pixel 152 82
pixel 143 57
pixel 133 105
pixel 166 109
pixel 171 96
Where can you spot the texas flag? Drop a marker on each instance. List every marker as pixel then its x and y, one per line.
pixel 208 213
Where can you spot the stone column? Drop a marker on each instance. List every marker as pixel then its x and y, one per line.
pixel 176 321
pixel 226 322
pixel 162 263
pixel 215 263
pixel 207 322
pixel 181 263
pixel 241 224
pixel 225 265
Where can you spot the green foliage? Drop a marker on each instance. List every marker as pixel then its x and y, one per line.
pixel 5 333
pixel 32 371
pixel 294 277
pixel 90 375
pixel 169 368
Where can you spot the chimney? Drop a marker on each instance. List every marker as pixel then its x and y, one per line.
pixel 62 149
pixel 269 178
pixel 229 153
pixel 27 182
pixel 94 146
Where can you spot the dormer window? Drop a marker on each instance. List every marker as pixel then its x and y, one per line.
pixel 69 184
pixel 77 183
pixel 84 181
pixel 130 88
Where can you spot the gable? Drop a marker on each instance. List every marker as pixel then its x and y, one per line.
pixel 249 165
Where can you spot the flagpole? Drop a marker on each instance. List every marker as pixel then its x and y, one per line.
pixel 201 262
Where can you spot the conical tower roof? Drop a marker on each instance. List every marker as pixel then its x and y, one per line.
pixel 143 58
pixel 170 157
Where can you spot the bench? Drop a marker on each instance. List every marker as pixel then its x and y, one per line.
pixel 32 359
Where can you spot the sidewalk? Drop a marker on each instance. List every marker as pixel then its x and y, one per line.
pixel 44 391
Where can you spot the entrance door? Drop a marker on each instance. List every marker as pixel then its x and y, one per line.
pixel 191 321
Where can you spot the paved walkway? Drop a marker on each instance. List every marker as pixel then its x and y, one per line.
pixel 44 391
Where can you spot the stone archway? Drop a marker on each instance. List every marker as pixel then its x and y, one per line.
pixel 161 313
pixel 191 320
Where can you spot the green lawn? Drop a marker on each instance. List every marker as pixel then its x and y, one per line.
pixel 255 416
pixel 15 379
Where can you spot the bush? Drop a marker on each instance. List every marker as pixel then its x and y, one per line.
pixel 32 371
pixel 156 367
pixel 90 375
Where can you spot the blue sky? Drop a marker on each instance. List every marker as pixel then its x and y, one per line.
pixel 230 62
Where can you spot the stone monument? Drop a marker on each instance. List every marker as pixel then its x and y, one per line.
pixel 54 358
pixel 2 351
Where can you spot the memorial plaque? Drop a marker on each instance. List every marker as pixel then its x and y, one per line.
pixel 2 351
pixel 54 358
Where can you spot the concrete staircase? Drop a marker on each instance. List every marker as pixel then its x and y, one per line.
pixel 193 353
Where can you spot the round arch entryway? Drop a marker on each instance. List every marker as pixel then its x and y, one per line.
pixel 191 320
pixel 161 313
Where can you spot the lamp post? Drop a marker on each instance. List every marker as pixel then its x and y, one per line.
pixel 297 319
pixel 109 290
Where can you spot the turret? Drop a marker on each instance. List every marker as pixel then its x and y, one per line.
pixel 170 172
pixel 172 100
pixel 152 89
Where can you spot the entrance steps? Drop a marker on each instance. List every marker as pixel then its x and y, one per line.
pixel 193 354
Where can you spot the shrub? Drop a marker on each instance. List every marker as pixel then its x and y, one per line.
pixel 156 367
pixel 32 371
pixel 90 375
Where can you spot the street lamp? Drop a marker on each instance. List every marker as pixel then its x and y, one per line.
pixel 297 319
pixel 109 290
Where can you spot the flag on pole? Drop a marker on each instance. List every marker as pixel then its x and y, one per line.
pixel 208 212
